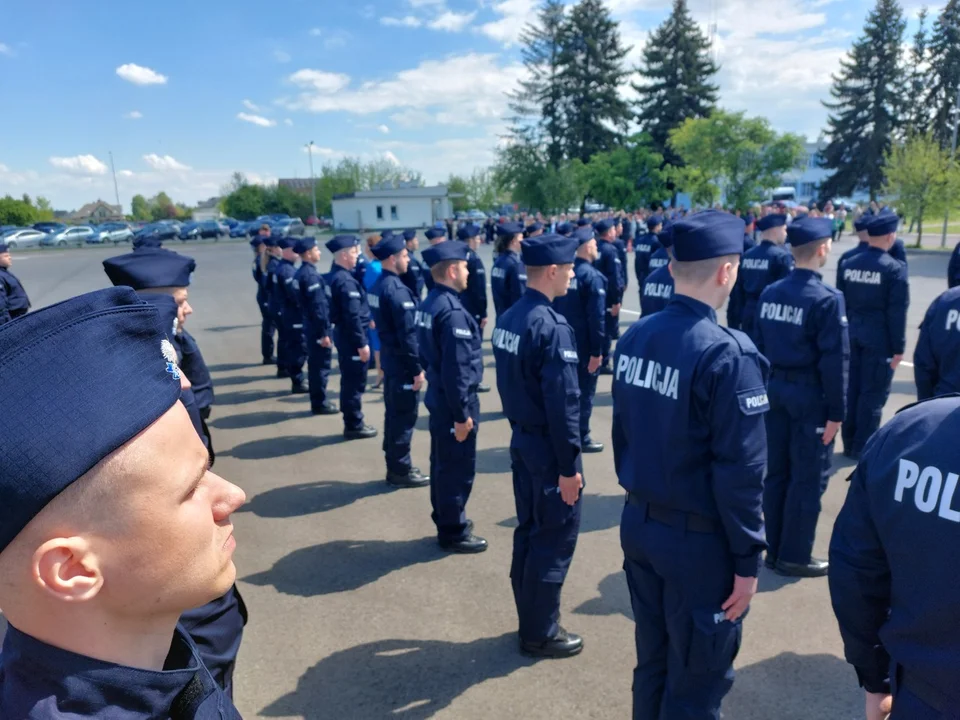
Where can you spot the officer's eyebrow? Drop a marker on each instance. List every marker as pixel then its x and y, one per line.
pixel 198 478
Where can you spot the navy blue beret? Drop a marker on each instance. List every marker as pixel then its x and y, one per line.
pixel 548 250
pixel 565 228
pixel 340 242
pixel 653 221
pixel 883 224
pixel 749 219
pixel 510 228
pixel 601 226
pixel 468 231
pixel 270 241
pixel 151 241
pixel 583 222
pixel 444 251
pixel 303 244
pixel 808 230
pixel 861 223
pixel 434 233
pixel 3 247
pixel 386 233
pixel 584 235
pixel 88 374
pixel 390 245
pixel 533 227
pixel 768 222
pixel 284 243
pixel 409 235
pixel 256 241
pixel 665 236
pixel 145 270
pixel 706 235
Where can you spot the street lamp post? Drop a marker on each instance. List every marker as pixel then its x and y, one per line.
pixel 953 159
pixel 313 180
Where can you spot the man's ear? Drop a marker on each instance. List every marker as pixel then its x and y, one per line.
pixel 67 569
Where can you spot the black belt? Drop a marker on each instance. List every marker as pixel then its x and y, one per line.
pixel 808 377
pixel 937 699
pixel 679 519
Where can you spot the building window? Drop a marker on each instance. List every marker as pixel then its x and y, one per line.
pixel 393 212
pixel 379 212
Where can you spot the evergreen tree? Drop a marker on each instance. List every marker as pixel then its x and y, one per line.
pixel 591 71
pixel 945 72
pixel 677 69
pixel 538 101
pixel 865 114
pixel 917 111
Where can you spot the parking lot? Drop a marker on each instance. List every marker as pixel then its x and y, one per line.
pixel 355 613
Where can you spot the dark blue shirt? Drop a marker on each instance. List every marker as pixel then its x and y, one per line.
pixel 657 291
pixel 474 298
pixel 893 553
pixel 258 273
pixel 288 295
pixel 953 268
pixel 856 250
pixel 451 352
pixel 508 280
pixel 349 311
pixel 584 308
pixel 659 259
pixel 610 267
pixel 688 432
pixel 536 354
pixel 643 249
pixel 196 370
pixel 13 298
pixel 314 301
pixel 41 682
pixel 748 242
pixel 394 311
pixel 413 278
pixel 936 361
pixel 877 295
pixel 801 327
pixel 621 247
pixel 760 267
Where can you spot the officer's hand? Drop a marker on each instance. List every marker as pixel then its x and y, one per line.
pixel 570 488
pixel 185 383
pixel 418 381
pixel 364 353
pixel 462 430
pixel 879 705
pixel 895 361
pixel 830 431
pixel 326 342
pixel 373 325
pixel 483 323
pixel 594 364
pixel 615 310
pixel 744 588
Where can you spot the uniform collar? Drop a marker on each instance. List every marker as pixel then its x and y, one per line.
pixel 39 671
pixel 581 261
pixel 386 272
pixel 695 306
pixel 445 288
pixel 288 262
pixel 536 297
pixel 805 274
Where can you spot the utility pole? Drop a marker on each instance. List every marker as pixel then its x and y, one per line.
pixel 953 159
pixel 313 180
pixel 116 190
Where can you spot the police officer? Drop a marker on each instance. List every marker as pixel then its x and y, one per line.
pixel 750 223
pixel 111 643
pixel 394 312
pixel 644 248
pixel 474 298
pixel 657 288
pixel 660 257
pixel 536 356
pixel 860 227
pixel 690 448
pixel 508 279
pixel 936 360
pixel 434 236
pixel 765 264
pixel 315 308
pixel 275 301
pixel 584 308
pixel 451 347
pixel 801 328
pixel 565 228
pixel 897 250
pixel 621 245
pixel 290 316
pixel 877 294
pixel 260 259
pixel 413 277
pixel 350 316
pixel 13 298
pixel 534 229
pixel 609 265
pixel 893 545
pixel 953 268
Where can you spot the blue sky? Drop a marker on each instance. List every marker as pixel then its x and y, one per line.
pixel 185 93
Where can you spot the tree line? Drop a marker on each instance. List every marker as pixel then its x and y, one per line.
pixel 24 211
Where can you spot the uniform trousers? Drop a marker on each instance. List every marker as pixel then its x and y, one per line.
pixel 401 405
pixel 318 370
pixel 678 580
pixel 867 393
pixel 353 383
pixel 611 326
pixel 588 389
pixel 453 466
pixel 217 629
pixel 267 328
pixel 281 346
pixel 295 351
pixel 749 319
pixel 798 467
pixel 545 537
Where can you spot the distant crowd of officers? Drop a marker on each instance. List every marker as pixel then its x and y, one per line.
pixel 722 438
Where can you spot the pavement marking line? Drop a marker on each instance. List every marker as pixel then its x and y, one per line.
pixel 629 312
pixel 906 364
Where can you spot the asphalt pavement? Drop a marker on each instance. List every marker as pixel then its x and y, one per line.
pixel 355 613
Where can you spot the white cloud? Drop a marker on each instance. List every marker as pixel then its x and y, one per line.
pixel 437 160
pixel 389 156
pixel 134 115
pixel 139 75
pixel 164 162
pixel 452 21
pixel 249 105
pixel 287 121
pixel 315 32
pixel 408 21
pixel 424 3
pixel 320 81
pixel 256 119
pixel 6 50
pixel 515 14
pixel 126 173
pixel 80 164
pixel 324 152
pixel 384 129
pixel 281 57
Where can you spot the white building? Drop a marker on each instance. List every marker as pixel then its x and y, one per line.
pixel 208 210
pixel 391 207
pixel 808 176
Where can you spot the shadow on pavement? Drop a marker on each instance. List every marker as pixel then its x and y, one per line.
pixel 268 448
pixel 250 420
pixel 410 679
pixel 614 598
pixel 904 387
pixel 309 498
pixel 228 328
pixel 243 380
pixel 238 397
pixel 344 565
pixel 230 367
pixel 771 581
pixel 494 460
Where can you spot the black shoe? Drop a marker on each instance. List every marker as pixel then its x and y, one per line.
pixel 770 562
pixel 282 374
pixel 412 479
pixel 605 370
pixel 328 408
pixel 360 433
pixel 483 388
pixel 589 446
pixel 270 361
pixel 814 568
pixel 469 545
pixel 564 644
pixel 300 389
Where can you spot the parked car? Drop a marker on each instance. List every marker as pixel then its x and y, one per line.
pixel 230 222
pixel 47 227
pixel 289 227
pixel 190 231
pixel 158 231
pixel 115 232
pixel 279 216
pixel 23 237
pixel 246 229
pixel 77 235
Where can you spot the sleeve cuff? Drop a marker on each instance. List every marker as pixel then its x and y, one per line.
pixel 747 566
pixel 873 681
